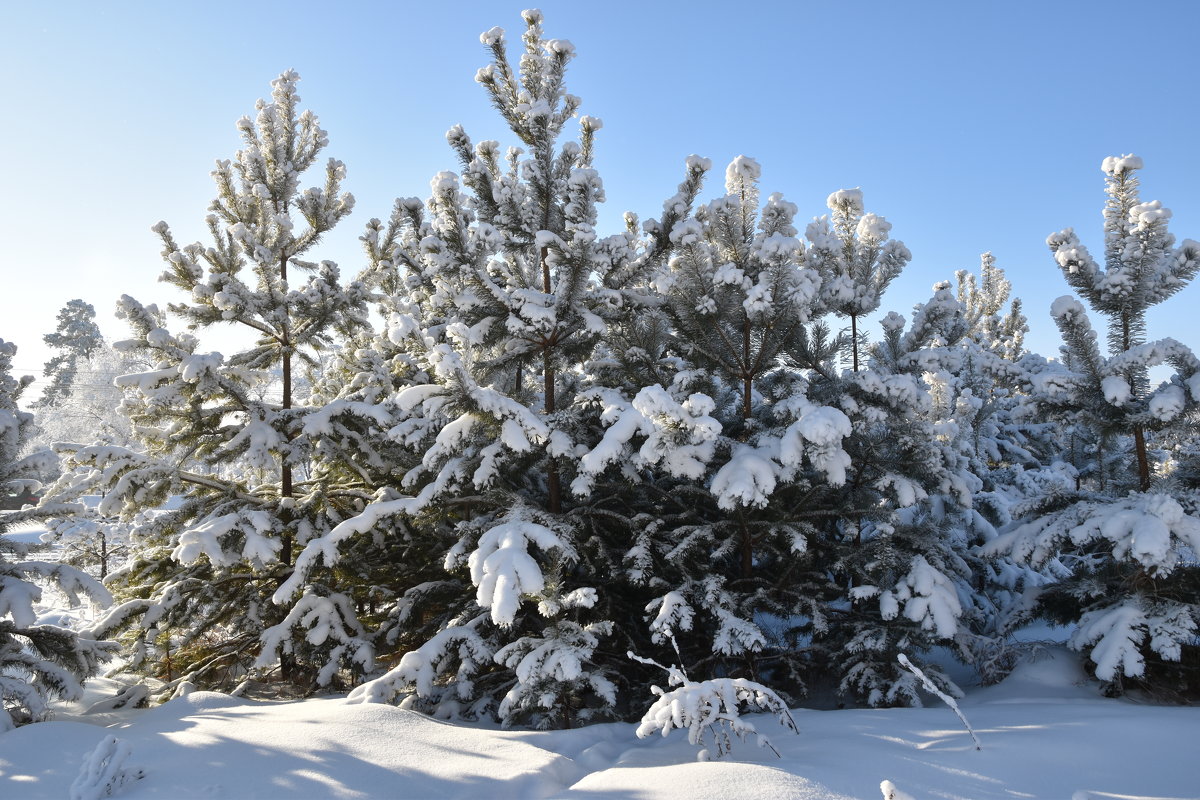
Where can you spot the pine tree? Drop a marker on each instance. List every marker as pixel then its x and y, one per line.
pixel 983 299
pixel 714 438
pixel 77 338
pixel 229 435
pixel 1126 538
pixel 498 289
pixel 902 563
pixel 778 481
pixel 992 444
pixel 38 662
pixel 1142 267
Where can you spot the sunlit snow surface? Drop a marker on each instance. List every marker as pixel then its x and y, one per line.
pixel 1044 736
pixel 1045 730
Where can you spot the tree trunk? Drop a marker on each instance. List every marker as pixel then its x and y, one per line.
pixel 553 480
pixel 285 489
pixel 854 339
pixel 1139 434
pixel 747 375
pixel 1143 462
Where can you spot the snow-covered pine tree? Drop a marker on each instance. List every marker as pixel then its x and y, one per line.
pixel 1142 268
pixel 753 571
pixel 900 565
pixel 499 291
pixel 977 376
pixel 982 398
pixel 76 339
pixel 712 442
pixel 892 565
pixel 38 662
pixel 89 408
pixel 983 300
pixel 229 435
pixel 1129 543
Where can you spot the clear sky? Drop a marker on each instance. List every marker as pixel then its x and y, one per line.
pixel 971 126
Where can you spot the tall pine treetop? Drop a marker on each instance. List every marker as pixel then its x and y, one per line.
pixel 251 219
pixel 1142 266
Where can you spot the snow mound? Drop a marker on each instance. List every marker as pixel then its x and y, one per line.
pixel 727 779
pixel 1052 674
pixel 211 745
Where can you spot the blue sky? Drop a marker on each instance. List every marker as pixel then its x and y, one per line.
pixel 970 126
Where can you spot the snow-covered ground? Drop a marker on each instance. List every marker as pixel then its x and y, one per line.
pixel 1045 733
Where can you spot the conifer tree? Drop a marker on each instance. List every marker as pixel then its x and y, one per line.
pixel 498 290
pixel 991 444
pixel 1142 267
pixel 90 408
pixel 229 435
pixel 793 473
pixel 983 299
pixel 1131 588
pixel 77 338
pixel 38 662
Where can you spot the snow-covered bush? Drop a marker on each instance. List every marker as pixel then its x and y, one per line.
pixel 104 772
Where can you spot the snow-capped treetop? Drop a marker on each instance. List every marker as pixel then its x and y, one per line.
pixel 849 201
pixel 534 102
pixel 741 174
pixel 983 301
pixel 854 257
pixel 1142 265
pixel 1115 165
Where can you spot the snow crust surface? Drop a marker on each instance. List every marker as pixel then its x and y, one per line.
pixel 1046 733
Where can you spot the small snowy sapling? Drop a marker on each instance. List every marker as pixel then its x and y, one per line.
pixel 710 708
pixel 931 687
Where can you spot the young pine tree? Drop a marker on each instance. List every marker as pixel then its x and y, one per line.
pixel 778 483
pixel 228 435
pixel 857 261
pixel 1129 539
pixel 38 662
pixel 498 290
